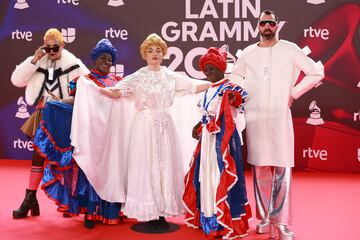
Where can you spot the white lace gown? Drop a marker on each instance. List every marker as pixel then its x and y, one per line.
pixel 155 168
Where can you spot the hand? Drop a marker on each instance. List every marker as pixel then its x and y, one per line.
pixel 291 101
pixel 39 53
pixel 195 133
pixel 54 97
pixel 231 97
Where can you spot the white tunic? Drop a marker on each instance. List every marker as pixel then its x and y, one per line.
pixel 268 75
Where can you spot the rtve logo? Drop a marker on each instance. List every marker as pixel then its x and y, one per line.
pixel 21 4
pixel 118 70
pixel 312 153
pixel 21 35
pixel 115 3
pixel 114 33
pixel 69 34
pixel 73 2
pixel 357 116
pixel 26 144
pixel 315 33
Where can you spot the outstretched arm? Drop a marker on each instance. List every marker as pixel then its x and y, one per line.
pixel 111 93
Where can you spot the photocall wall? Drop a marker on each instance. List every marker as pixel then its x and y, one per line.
pixel 326 119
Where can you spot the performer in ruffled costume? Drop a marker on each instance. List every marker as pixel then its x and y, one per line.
pixel 49 69
pixel 215 193
pixel 63 180
pixel 154 183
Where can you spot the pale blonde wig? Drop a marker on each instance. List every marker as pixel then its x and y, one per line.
pixel 153 39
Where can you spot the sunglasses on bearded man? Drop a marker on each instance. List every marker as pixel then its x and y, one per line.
pixel 271 23
pixel 54 49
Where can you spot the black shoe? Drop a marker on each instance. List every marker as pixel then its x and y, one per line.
pixel 66 215
pixel 89 224
pixel 30 203
pixel 163 223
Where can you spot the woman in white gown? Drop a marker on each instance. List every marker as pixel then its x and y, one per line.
pixel 155 168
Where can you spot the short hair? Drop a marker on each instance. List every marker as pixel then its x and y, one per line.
pixel 268 12
pixel 54 33
pixel 153 39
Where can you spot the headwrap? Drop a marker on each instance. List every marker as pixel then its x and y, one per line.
pixel 214 56
pixel 104 46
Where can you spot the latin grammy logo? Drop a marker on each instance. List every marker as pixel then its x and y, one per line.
pixel 22 109
pixel 116 3
pixel 315 117
pixel 21 4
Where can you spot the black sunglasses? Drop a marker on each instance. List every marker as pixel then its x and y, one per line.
pixel 271 23
pixel 54 49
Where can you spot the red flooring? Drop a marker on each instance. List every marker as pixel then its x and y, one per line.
pixel 326 207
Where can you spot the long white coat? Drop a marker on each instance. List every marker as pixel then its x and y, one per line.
pixel 269 75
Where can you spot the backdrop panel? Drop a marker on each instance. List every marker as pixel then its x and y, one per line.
pixel 327 29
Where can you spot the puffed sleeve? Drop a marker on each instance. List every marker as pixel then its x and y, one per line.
pixel 183 84
pixel 314 73
pixel 23 73
pixel 239 71
pixel 129 82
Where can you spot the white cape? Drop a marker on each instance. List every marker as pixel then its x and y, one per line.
pixel 100 134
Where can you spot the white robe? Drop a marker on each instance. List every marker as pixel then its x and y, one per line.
pixel 269 75
pixel 129 150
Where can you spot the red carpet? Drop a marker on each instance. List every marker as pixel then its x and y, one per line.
pixel 326 207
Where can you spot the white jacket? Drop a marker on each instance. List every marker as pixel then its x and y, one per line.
pixel 25 75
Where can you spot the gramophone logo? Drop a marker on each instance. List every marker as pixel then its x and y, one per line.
pixel 22 111
pixel 69 34
pixel 230 59
pixel 315 116
pixel 116 3
pixel 118 70
pixel 21 4
pixel 315 1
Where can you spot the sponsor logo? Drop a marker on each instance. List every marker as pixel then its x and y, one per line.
pixel 21 4
pixel 316 33
pixel 115 3
pixel 315 116
pixel 118 70
pixel 69 34
pixel 73 2
pixel 22 111
pixel 315 153
pixel 116 33
pixel 356 116
pixel 21 35
pixel 27 144
pixel 315 1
